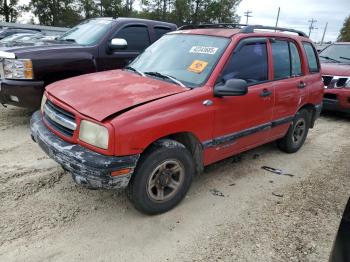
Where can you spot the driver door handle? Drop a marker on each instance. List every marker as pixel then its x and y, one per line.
pixel 265 93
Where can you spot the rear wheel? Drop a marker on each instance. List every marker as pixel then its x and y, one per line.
pixel 297 133
pixel 162 178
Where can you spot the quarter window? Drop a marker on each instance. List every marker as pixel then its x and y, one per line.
pixel 136 36
pixel 311 58
pixel 248 63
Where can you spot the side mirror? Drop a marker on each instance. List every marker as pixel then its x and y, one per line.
pixel 118 43
pixel 232 87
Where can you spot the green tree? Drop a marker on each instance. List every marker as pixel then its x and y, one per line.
pixel 9 10
pixel 56 12
pixel 344 35
pixel 89 8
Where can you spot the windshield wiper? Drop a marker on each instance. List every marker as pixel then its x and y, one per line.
pixel 329 58
pixel 134 70
pixel 67 40
pixel 343 57
pixel 161 75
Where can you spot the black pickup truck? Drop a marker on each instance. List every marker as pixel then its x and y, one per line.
pixel 94 45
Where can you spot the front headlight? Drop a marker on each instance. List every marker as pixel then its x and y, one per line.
pixel 94 134
pixel 43 102
pixel 347 85
pixel 18 69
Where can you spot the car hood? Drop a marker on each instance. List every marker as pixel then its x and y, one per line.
pixel 100 95
pixel 336 69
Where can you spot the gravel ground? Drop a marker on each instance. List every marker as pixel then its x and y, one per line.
pixel 235 211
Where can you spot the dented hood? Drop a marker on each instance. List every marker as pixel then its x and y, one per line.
pixel 335 69
pixel 100 95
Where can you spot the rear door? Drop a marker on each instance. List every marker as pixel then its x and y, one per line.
pixel 289 83
pixel 138 38
pixel 244 121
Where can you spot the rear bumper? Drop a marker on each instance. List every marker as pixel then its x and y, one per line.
pixel 23 93
pixel 88 168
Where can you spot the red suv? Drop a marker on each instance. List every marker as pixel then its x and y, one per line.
pixel 336 76
pixel 192 98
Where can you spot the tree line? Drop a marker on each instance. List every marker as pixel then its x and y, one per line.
pixel 70 12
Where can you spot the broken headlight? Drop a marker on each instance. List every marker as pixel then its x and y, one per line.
pixel 18 69
pixel 94 134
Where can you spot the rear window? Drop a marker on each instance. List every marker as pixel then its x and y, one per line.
pixel 281 60
pixel 311 58
pixel 160 31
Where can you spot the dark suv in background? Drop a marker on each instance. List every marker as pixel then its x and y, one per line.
pixel 94 45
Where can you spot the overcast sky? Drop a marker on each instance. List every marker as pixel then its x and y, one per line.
pixel 296 14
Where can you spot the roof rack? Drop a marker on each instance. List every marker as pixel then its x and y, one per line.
pixel 251 28
pixel 219 25
pixel 244 28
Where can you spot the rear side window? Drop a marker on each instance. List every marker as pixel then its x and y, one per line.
pixel 295 58
pixel 136 36
pixel 248 63
pixel 160 31
pixel 281 60
pixel 311 58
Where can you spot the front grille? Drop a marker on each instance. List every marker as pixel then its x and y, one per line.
pixel 334 81
pixel 59 119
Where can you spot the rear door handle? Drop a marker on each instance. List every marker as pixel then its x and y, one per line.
pixel 265 93
pixel 301 85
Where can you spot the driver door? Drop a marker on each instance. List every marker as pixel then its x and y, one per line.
pixel 243 122
pixel 138 39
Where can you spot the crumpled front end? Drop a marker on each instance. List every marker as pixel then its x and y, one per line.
pixel 88 168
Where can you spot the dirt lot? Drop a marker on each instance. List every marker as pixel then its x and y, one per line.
pixel 231 213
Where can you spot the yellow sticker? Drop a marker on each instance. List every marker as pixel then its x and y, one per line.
pixel 197 66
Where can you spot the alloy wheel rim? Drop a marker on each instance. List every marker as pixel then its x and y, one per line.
pixel 299 131
pixel 165 180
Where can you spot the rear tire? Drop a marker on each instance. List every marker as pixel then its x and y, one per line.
pixel 162 178
pixel 297 133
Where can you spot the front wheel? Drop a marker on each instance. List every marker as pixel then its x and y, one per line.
pixel 297 133
pixel 161 179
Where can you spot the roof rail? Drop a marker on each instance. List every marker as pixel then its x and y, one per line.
pixel 219 25
pixel 251 28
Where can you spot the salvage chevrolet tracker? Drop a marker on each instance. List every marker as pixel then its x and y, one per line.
pixel 192 98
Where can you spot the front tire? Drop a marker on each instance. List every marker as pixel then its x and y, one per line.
pixel 297 133
pixel 162 178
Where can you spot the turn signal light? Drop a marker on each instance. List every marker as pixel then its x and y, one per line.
pixel 121 172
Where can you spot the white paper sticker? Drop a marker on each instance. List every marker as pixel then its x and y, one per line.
pixel 203 50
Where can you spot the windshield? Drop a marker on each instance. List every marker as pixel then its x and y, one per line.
pixel 186 58
pixel 87 33
pixel 336 53
pixel 13 37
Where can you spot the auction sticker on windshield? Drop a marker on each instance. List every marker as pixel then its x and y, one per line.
pixel 197 66
pixel 203 50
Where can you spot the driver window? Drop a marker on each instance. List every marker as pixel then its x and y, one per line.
pixel 248 63
pixel 137 37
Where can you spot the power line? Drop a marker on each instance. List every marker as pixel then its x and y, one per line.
pixel 247 14
pixel 311 27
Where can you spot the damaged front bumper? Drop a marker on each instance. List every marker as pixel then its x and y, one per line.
pixel 88 168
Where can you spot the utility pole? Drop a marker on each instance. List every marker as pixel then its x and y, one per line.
pixel 311 27
pixel 278 16
pixel 324 33
pixel 101 11
pixel 247 14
